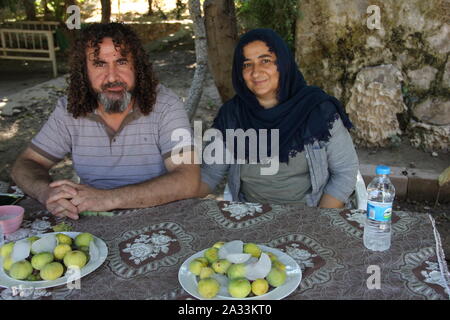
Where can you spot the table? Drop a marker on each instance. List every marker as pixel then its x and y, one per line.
pixel 147 247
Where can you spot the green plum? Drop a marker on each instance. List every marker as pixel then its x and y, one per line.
pixel 221 266
pixel 52 271
pixel 260 287
pixel 276 277
pixel 239 288
pixel 83 239
pixel 206 272
pixel 75 258
pixel 61 250
pixel 41 259
pixel 218 244
pixel 7 263
pixel 208 288
pixel 211 254
pixel 236 270
pixel 6 249
pixel 252 249
pixel 196 265
pixel 20 270
pixel 63 239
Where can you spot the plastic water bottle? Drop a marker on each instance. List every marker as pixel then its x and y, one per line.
pixel 380 195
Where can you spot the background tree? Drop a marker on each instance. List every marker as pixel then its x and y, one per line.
pixel 201 53
pixel 106 10
pixel 222 35
pixel 30 9
pixel 150 9
pixel 279 15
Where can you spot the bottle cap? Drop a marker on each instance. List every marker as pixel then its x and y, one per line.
pixel 382 170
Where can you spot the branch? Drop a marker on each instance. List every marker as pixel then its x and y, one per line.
pixel 195 92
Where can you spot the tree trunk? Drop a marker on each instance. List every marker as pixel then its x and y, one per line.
pixel 106 10
pixel 30 9
pixel 150 7
pixel 221 31
pixel 201 53
pixel 47 13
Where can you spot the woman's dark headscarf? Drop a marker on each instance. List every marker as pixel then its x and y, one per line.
pixel 298 114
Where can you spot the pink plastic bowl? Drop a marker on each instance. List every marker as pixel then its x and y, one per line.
pixel 11 218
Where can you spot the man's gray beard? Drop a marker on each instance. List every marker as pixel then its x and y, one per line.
pixel 114 105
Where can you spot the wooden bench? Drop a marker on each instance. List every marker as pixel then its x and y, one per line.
pixel 29 40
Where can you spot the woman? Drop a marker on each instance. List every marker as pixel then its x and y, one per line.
pixel 318 163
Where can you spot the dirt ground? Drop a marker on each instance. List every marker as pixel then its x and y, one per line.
pixel 174 66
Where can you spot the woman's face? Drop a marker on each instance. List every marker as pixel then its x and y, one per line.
pixel 260 73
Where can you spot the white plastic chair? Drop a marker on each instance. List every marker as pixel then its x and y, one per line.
pixel 357 201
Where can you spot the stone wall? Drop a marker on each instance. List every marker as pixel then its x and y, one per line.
pixel 335 43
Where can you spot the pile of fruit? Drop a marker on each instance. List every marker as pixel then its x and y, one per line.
pixel 48 257
pixel 237 269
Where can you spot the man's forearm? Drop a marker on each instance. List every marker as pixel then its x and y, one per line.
pixel 32 178
pixel 175 185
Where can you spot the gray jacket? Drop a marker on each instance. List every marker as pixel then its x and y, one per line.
pixel 333 167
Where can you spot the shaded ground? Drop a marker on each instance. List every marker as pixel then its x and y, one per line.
pixel 175 68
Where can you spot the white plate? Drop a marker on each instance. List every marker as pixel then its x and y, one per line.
pixel 8 282
pixel 294 275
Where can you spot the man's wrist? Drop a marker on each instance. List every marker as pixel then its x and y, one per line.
pixel 113 198
pixel 43 195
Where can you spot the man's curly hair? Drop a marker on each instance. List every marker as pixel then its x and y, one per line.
pixel 81 97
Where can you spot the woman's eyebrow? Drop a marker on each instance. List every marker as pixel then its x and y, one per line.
pixel 266 55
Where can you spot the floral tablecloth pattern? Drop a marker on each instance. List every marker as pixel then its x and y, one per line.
pixel 146 248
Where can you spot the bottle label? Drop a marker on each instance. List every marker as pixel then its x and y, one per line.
pixel 379 211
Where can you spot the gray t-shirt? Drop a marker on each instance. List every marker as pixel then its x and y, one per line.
pixel 288 186
pixel 106 159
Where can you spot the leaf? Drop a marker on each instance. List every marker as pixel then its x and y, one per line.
pixel 97 213
pixel 62 227
pixel 89 213
pixel 444 177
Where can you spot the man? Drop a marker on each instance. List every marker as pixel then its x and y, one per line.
pixel 117 123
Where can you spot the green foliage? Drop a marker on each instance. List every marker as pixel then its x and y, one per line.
pixel 10 4
pixel 54 11
pixel 444 177
pixel 279 15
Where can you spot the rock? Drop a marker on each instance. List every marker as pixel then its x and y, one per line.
pixel 374 42
pixel 433 111
pixel 429 137
pixel 439 41
pixel 334 43
pixel 375 100
pixel 446 76
pixel 434 154
pixel 422 78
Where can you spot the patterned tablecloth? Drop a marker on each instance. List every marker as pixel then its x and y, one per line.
pixel 146 248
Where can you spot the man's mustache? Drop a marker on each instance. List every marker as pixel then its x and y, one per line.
pixel 114 84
